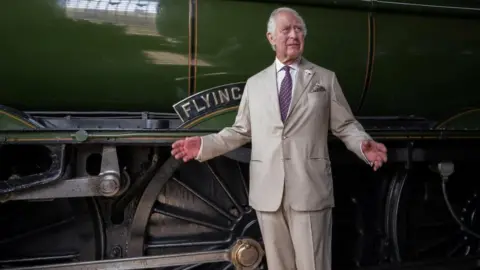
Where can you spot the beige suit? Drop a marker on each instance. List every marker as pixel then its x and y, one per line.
pixel 290 175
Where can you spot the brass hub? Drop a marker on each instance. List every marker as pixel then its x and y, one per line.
pixel 246 254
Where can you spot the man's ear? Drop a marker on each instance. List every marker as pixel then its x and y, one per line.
pixel 270 38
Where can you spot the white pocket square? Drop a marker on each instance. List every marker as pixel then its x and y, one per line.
pixel 318 88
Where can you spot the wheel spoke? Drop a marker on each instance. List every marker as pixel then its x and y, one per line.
pixel 460 244
pixel 194 207
pixel 190 216
pixel 229 194
pixel 73 226
pixel 228 266
pixel 205 200
pixel 37 231
pixel 191 240
pixel 436 224
pixel 243 180
pixel 187 267
pixel 58 258
pixel 435 243
pixel 419 218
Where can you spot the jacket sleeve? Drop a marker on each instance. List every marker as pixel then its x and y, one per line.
pixel 229 138
pixel 343 123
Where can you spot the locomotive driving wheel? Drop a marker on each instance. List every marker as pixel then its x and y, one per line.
pixel 50 232
pixel 418 222
pixel 189 207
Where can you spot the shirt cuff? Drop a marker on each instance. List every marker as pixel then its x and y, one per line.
pixel 200 150
pixel 363 154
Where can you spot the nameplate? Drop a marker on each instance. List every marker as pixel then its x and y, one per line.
pixel 209 101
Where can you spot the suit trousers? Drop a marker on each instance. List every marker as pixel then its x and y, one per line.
pixel 297 240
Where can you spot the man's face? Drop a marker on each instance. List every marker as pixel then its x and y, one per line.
pixel 289 37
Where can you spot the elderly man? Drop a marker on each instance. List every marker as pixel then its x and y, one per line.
pixel 285 111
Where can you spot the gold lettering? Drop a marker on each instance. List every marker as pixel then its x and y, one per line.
pixel 196 106
pixel 185 109
pixel 236 93
pixel 223 95
pixel 206 99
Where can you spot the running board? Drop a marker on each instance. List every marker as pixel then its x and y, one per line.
pixel 245 254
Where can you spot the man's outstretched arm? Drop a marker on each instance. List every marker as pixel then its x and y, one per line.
pixel 344 126
pixel 228 138
pixel 210 146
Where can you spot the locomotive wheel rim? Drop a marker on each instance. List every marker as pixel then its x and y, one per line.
pixel 434 234
pixel 241 221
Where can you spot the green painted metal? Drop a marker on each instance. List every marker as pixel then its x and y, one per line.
pixel 391 57
pixel 424 65
pixel 242 48
pixel 215 121
pixel 10 122
pixel 57 58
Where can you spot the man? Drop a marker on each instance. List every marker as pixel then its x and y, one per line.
pixel 285 111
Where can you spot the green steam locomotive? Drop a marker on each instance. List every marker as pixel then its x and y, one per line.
pixel 94 92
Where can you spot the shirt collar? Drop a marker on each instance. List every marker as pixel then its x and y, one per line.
pixel 279 65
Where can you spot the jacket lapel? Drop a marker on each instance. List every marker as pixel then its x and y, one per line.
pixel 272 93
pixel 304 76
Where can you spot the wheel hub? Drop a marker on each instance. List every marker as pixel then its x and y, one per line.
pixel 246 254
pixel 213 214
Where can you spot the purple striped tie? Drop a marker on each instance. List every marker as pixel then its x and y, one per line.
pixel 285 96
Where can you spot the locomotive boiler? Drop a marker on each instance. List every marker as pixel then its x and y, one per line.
pixel 94 92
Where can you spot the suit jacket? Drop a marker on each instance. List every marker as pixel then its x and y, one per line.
pixel 290 159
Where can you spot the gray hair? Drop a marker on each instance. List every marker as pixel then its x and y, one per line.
pixel 271 25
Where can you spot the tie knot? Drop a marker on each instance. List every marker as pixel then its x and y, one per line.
pixel 286 68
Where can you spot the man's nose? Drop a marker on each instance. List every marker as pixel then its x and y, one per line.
pixel 292 34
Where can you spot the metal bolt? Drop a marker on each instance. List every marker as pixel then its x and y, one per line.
pixel 116 252
pixel 81 135
pixel 109 185
pixel 234 211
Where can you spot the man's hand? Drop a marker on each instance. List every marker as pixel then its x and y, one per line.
pixel 187 148
pixel 375 152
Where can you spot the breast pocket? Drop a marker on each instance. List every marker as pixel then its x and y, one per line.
pixel 317 101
